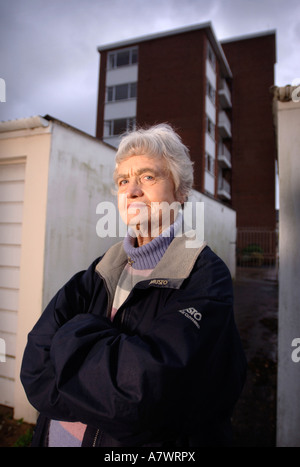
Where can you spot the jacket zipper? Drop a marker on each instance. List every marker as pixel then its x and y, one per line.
pixel 109 299
pixel 95 438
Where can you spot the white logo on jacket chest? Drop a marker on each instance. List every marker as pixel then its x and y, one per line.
pixel 192 314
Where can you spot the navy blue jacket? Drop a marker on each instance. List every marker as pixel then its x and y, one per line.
pixel 166 372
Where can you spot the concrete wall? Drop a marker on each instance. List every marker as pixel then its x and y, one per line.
pixel 288 402
pixel 219 229
pixel 80 177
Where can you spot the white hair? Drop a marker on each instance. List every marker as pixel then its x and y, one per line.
pixel 163 142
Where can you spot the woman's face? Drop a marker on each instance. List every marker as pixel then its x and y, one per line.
pixel 146 192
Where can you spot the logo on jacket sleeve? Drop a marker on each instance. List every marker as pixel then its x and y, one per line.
pixel 192 314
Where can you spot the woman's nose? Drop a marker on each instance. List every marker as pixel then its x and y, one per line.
pixel 133 189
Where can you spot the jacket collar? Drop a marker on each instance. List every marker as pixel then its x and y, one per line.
pixel 179 259
pixel 174 267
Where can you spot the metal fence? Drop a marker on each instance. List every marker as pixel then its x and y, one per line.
pixel 256 247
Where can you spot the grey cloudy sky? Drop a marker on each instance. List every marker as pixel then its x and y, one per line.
pixel 48 48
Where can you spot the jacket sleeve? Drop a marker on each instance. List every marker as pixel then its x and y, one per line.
pixel 37 370
pixel 136 387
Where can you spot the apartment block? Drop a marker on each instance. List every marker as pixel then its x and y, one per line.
pixel 215 95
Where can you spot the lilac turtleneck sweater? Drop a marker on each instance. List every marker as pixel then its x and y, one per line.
pixel 148 255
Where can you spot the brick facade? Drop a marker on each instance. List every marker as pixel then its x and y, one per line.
pixel 253 144
pixel 173 90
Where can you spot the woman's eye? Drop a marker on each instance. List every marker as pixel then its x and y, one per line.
pixel 122 182
pixel 148 177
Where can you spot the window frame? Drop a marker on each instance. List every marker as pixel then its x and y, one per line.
pixel 210 128
pixel 210 92
pixel 130 124
pixel 209 164
pixel 113 91
pixel 211 56
pixel 112 58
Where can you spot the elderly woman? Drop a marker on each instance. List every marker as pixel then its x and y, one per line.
pixel 141 349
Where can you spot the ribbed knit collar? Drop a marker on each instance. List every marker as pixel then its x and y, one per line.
pixel 147 256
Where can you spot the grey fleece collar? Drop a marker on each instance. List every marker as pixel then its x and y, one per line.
pixel 175 265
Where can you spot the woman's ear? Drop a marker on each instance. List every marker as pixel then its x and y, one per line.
pixel 181 198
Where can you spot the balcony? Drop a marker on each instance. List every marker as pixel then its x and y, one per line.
pixel 224 156
pixel 224 95
pixel 224 125
pixel 224 188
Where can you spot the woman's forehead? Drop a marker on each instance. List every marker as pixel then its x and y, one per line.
pixel 138 163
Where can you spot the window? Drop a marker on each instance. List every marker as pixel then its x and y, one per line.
pixel 110 94
pixel 209 164
pixel 210 128
pixel 210 91
pixel 134 56
pixel 211 56
pixel 118 126
pixel 121 58
pixel 132 90
pixel 121 92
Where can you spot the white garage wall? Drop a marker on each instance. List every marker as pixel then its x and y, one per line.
pixel 12 177
pixel 80 176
